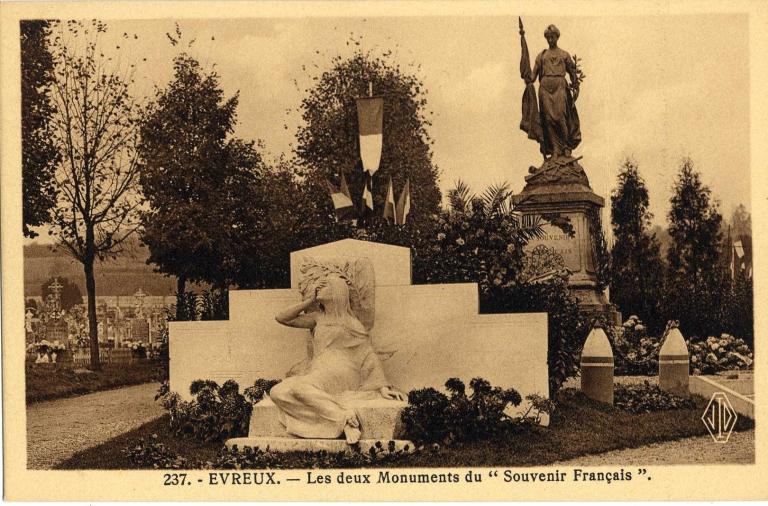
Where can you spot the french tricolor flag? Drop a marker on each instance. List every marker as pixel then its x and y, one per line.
pixel 342 200
pixel 370 119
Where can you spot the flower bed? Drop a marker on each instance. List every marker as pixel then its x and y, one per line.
pixel 714 354
pixel 637 353
pixel 46 352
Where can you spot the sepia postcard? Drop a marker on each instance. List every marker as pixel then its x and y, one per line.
pixel 367 251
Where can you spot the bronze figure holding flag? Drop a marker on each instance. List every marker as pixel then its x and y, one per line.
pixel 553 122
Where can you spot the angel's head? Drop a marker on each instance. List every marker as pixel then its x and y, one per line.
pixel 333 290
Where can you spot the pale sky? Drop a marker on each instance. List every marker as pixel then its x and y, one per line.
pixel 656 88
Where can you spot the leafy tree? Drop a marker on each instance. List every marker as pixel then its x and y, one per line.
pixel 696 278
pixel 39 155
pixel 183 150
pixel 217 213
pixel 638 271
pixel 70 293
pixel 327 142
pixel 96 133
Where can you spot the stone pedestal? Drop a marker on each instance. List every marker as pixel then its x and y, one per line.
pixel 560 189
pixel 379 421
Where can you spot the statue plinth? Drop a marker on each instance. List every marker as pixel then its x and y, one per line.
pixel 560 189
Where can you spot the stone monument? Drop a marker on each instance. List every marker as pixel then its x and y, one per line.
pixel 557 193
pixel 421 335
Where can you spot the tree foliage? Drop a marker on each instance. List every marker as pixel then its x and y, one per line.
pixel 95 132
pixel 638 271
pixel 215 208
pixel 696 279
pixel 39 155
pixel 328 141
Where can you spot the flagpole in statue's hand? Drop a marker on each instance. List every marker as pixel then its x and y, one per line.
pixel 525 65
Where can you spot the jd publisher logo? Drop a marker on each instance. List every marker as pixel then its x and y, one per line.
pixel 719 417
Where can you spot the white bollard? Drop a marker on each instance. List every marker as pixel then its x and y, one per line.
pixel 674 364
pixel 597 367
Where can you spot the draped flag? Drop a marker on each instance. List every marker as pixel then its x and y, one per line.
pixel 367 194
pixel 389 203
pixel 342 201
pixel 403 204
pixel 370 119
pixel 530 122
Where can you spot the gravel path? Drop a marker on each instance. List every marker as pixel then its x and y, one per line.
pixel 740 449
pixel 58 429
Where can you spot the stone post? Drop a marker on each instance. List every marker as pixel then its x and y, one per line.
pixel 597 367
pixel 674 364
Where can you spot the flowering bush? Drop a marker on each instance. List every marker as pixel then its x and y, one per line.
pixel 635 352
pixel 153 455
pixel 719 354
pixel 148 453
pixel 433 417
pixel 260 388
pixel 645 398
pixel 215 414
pixel 474 243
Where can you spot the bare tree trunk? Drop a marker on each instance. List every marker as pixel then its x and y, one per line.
pixel 90 288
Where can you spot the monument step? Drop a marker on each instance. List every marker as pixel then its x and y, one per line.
pixel 294 444
pixel 379 419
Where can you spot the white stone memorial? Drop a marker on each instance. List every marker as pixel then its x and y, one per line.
pixel 423 334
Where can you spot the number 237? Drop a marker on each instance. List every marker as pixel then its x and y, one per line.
pixel 175 479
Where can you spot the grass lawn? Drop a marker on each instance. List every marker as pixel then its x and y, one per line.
pixel 578 427
pixel 55 381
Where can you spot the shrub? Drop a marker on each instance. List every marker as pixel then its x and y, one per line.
pixel 645 398
pixel 433 417
pixel 215 414
pixel 719 354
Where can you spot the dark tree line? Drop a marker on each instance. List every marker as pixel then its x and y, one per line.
pixel 694 282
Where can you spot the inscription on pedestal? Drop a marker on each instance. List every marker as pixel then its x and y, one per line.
pixel 563 244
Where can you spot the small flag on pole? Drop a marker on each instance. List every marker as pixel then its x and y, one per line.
pixel 342 201
pixel 389 203
pixel 403 204
pixel 370 119
pixel 367 194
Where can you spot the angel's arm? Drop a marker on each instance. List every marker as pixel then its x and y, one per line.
pixel 294 316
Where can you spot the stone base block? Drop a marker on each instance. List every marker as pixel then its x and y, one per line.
pixel 294 444
pixel 379 419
